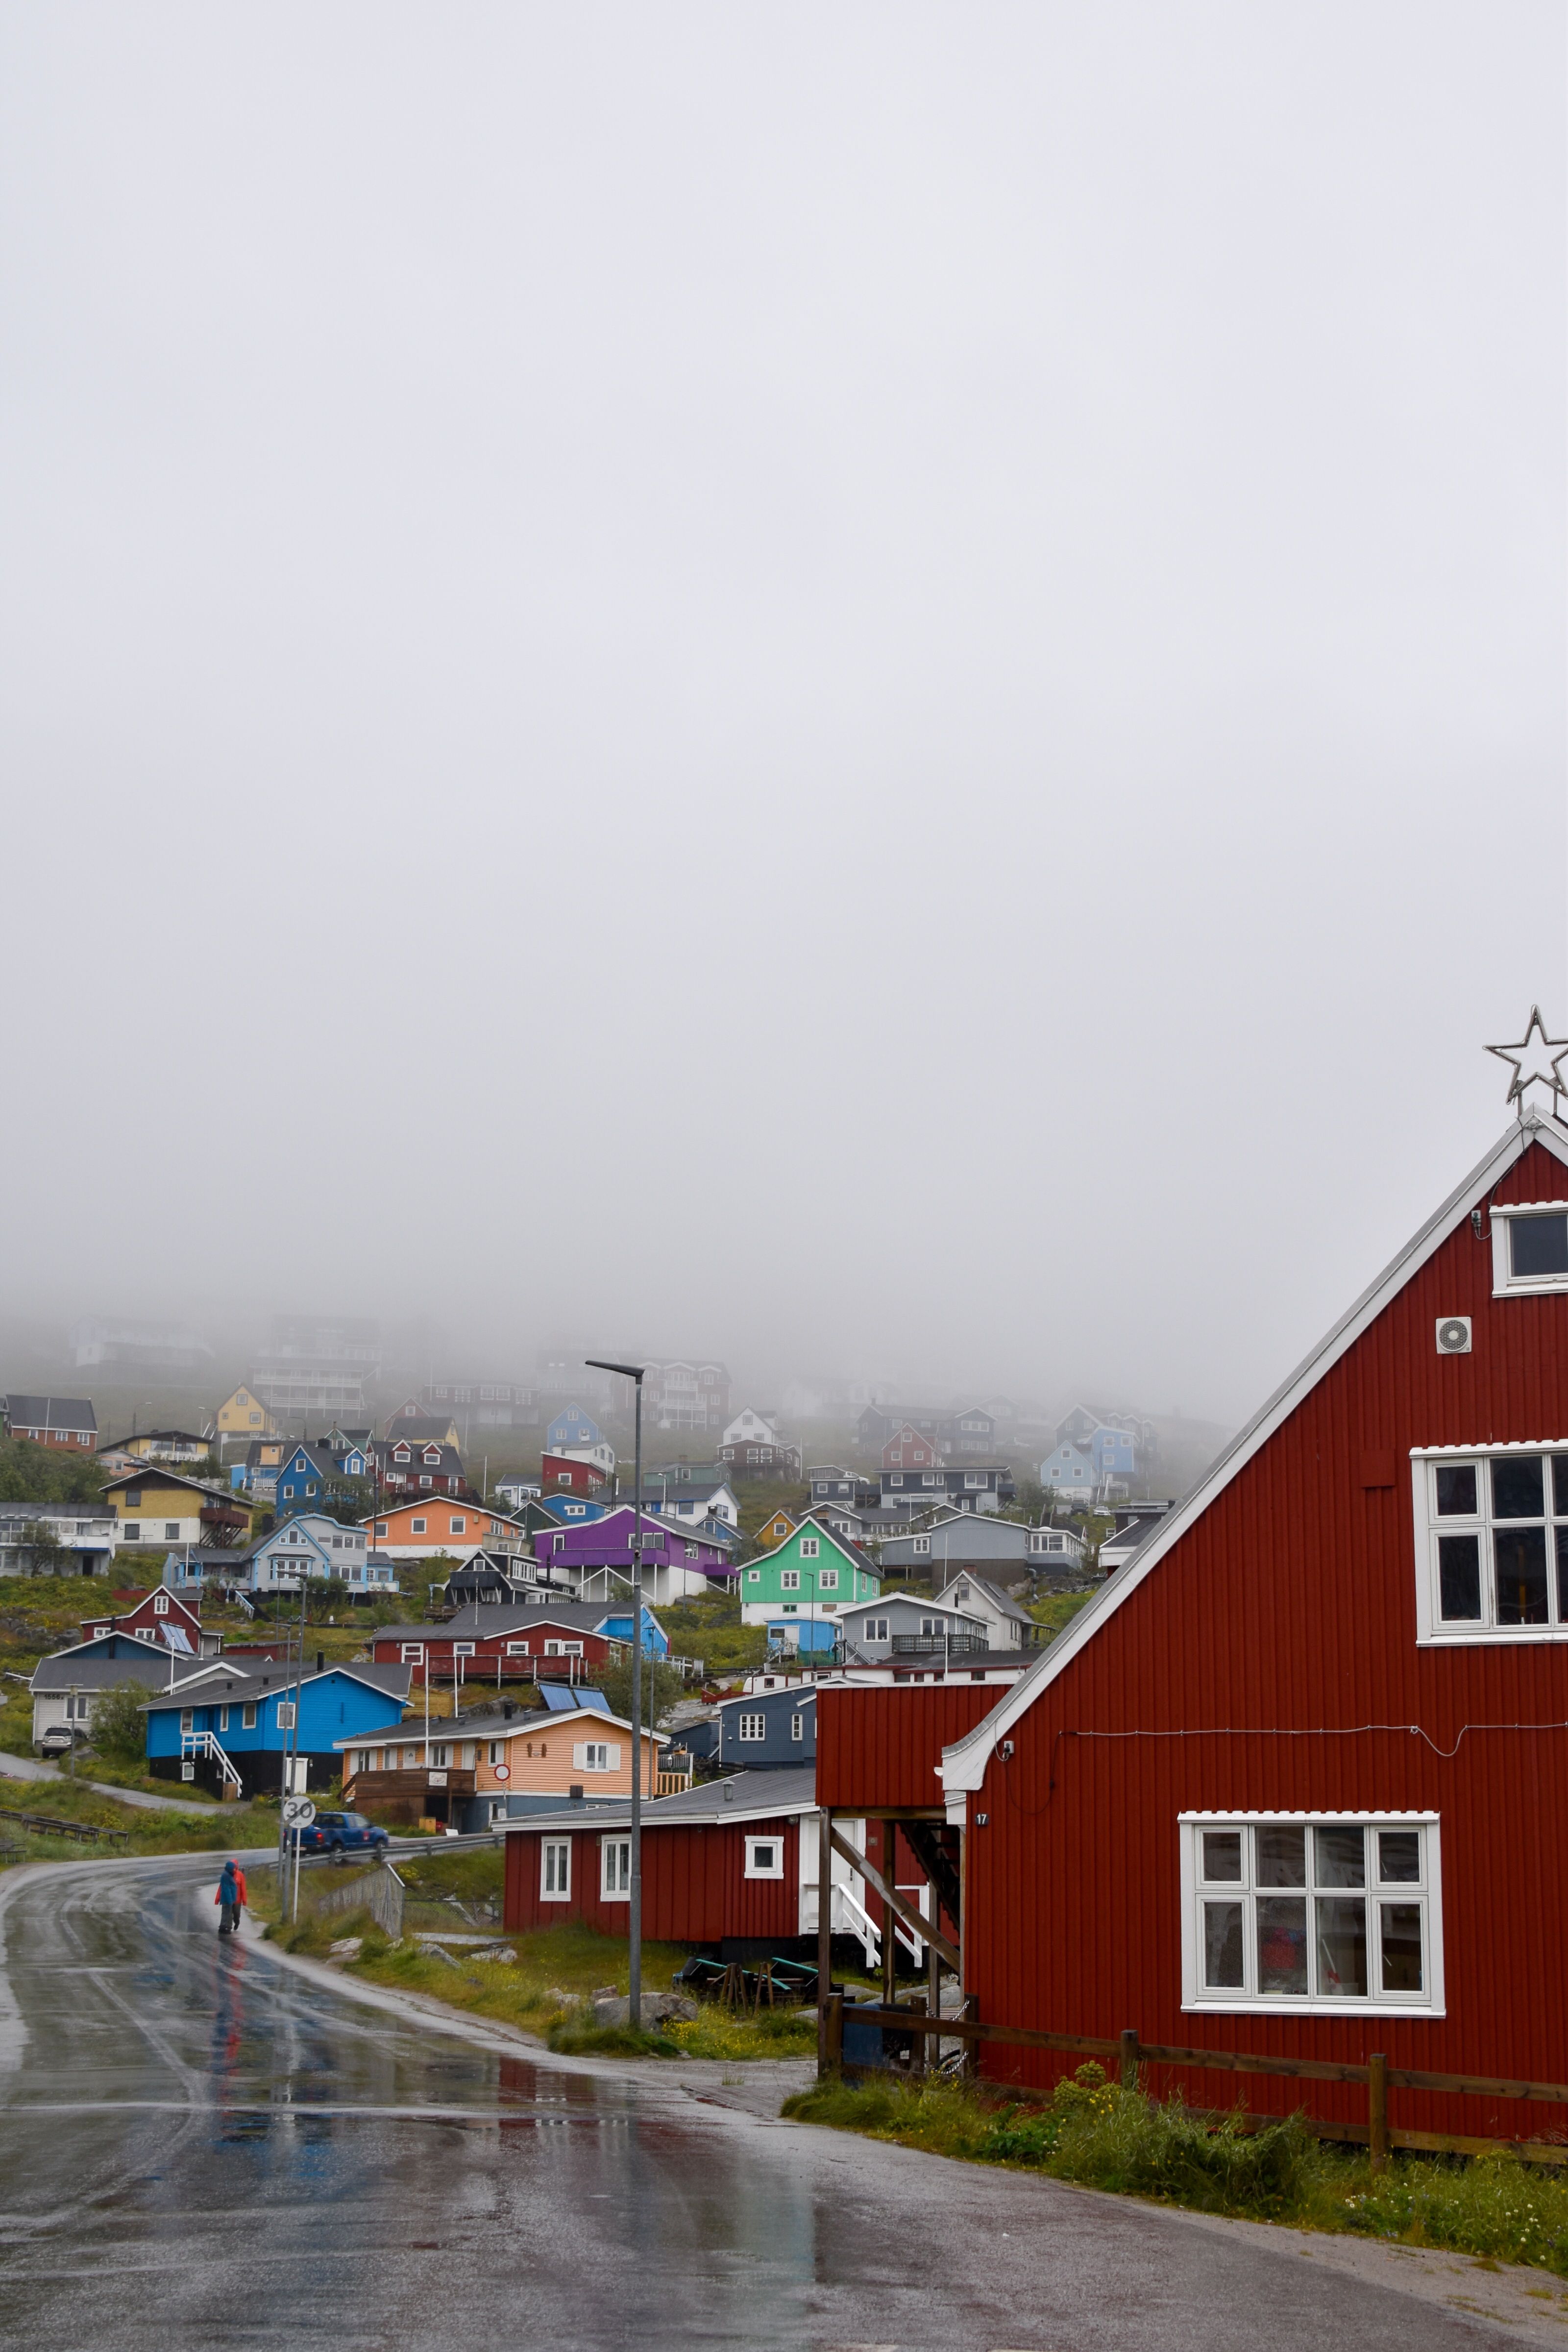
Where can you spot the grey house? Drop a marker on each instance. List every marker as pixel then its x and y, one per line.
pixel 67 1687
pixel 901 1624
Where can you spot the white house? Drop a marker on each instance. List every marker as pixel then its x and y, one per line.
pixel 751 1428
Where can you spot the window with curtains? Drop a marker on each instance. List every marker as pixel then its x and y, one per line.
pixel 1290 1912
pixel 615 1869
pixel 555 1870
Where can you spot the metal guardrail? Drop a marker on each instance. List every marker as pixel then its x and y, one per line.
pixel 46 1825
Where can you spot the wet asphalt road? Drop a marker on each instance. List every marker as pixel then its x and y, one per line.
pixel 199 2148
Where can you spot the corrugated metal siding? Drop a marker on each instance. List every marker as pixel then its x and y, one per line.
pixel 1290 1610
pixel 880 1744
pixel 695 1890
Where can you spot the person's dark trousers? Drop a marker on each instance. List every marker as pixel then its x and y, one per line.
pixel 229 1919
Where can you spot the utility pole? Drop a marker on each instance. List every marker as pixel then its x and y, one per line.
pixel 634 1924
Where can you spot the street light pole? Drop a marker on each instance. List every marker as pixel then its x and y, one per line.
pixel 634 1925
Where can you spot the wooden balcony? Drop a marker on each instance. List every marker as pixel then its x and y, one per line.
pixel 418 1794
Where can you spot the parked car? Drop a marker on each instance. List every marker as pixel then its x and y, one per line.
pixel 60 1739
pixel 340 1834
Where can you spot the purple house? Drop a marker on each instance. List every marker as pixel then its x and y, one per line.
pixel 595 1555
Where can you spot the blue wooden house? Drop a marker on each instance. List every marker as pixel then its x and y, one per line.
pixel 245 1719
pixel 307 1477
pixel 760 1729
pixel 573 1426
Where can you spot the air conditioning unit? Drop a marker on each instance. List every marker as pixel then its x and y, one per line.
pixel 1453 1335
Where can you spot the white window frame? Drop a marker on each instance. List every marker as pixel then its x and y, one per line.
pixel 555 1870
pixel 789 1579
pixel 597 1756
pixel 615 1870
pixel 413 1652
pixel 876 1628
pixel 416 1526
pixel 827 1579
pixel 1428 1893
pixel 1432 1630
pixel 750 1727
pixel 774 1846
pixel 797 1724
pixel 754 1576
pixel 919 1543
pixel 1506 1284
pixel 247 1716
pixel 810 1545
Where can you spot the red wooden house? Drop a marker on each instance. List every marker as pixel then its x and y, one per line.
pixel 1296 1781
pixel 569 1473
pixel 723 1864
pixel 909 1448
pixel 491 1640
pixel 148 1614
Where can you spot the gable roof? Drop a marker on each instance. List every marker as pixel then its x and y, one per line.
pixel 964 1764
pixel 154 1473
pixel 848 1552
pixel 266 1676
pixel 993 1594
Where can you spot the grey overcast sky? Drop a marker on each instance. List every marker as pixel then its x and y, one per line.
pixel 869 686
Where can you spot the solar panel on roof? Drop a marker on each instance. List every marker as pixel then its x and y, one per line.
pixel 558 1696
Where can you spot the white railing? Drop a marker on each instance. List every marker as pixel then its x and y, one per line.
pixel 205 1743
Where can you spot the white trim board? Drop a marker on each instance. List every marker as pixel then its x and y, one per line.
pixel 964 1764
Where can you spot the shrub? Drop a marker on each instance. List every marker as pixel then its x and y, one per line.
pixel 119 1726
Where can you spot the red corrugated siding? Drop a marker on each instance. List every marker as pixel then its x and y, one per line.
pixel 695 1890
pixel 1289 1608
pixel 880 1745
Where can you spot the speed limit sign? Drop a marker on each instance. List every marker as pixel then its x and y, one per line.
pixel 299 1813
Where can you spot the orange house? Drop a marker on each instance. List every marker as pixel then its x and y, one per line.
pixel 439 1523
pixel 499 1753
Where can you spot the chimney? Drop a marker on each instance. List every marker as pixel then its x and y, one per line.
pixel 320 1662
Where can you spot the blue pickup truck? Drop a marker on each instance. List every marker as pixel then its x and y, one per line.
pixel 340 1834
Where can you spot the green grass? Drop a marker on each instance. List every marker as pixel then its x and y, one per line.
pixel 1091 2131
pixel 556 1969
pixel 147 1832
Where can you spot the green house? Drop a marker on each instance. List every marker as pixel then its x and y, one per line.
pixel 798 1590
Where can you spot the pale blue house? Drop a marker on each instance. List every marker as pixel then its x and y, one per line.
pixel 1070 1471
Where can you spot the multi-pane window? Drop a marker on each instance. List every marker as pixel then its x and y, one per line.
pixel 1291 1912
pixel 829 1580
pixel 752 1726
pixel 810 1545
pixel 789 1579
pixel 797 1727
pixel 615 1869
pixel 1491 1530
pixel 555 1870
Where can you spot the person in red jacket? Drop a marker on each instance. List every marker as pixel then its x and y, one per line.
pixel 230 1896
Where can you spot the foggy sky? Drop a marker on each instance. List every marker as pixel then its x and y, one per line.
pixel 865 687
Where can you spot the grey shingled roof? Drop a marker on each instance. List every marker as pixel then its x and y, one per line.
pixel 51 1412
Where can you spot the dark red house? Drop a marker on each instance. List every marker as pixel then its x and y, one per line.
pixel 722 1866
pixel 564 1474
pixel 1296 1781
pixel 491 1640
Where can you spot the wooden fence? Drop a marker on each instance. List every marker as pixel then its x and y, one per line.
pixel 1131 2054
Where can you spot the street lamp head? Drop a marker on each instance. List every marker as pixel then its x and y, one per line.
pixel 632 1372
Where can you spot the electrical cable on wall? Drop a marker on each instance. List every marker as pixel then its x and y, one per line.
pixel 1270 1731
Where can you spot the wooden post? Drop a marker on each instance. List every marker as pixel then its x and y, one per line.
pixel 832 2066
pixel 824 1935
pixel 1377 2109
pixel 890 1924
pixel 1128 2058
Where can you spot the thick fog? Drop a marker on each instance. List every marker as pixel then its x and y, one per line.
pixel 874 689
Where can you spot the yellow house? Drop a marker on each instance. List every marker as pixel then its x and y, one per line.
pixel 244 1415
pixel 159 1507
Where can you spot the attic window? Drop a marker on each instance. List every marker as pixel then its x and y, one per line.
pixel 1530 1248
